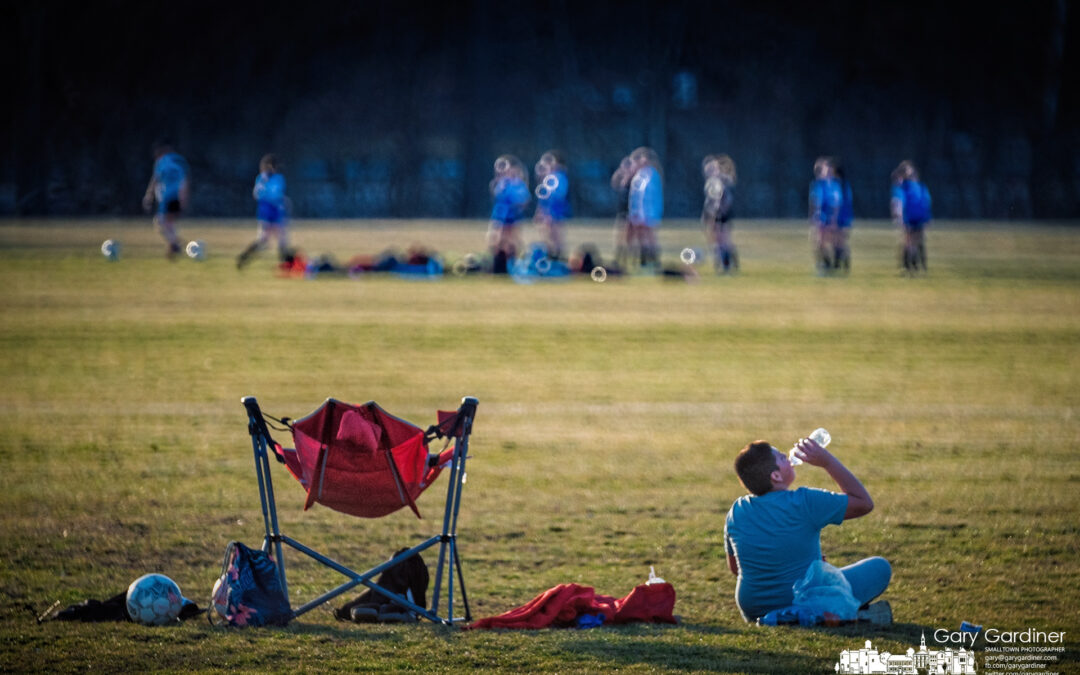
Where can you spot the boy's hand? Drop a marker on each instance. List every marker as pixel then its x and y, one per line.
pixel 810 452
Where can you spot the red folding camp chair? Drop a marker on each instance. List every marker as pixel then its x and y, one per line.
pixel 361 460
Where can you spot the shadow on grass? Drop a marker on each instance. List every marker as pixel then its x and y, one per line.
pixel 706 628
pixel 615 649
pixel 900 632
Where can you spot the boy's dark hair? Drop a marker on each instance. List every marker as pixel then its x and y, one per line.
pixel 753 465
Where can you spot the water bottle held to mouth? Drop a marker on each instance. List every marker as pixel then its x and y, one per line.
pixel 819 436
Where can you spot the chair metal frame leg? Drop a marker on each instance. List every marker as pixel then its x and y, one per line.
pixel 449 561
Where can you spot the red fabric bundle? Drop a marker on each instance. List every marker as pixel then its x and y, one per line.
pixel 563 604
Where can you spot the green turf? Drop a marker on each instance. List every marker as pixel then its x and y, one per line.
pixel 609 416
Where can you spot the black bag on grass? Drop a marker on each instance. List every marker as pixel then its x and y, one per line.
pixel 408 578
pixel 112 609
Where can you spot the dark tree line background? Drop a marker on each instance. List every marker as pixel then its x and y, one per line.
pixel 398 108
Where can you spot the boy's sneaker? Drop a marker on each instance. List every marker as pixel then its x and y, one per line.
pixel 878 613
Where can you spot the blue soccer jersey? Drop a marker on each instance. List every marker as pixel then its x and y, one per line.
pixel 170 172
pixel 846 214
pixel 269 195
pixel 556 201
pixel 646 201
pixel 826 196
pixel 915 203
pixel 511 197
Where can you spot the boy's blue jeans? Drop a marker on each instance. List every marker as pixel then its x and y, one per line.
pixel 868 578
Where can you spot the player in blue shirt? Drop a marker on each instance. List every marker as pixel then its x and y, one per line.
pixel 271 210
pixel 910 207
pixel 645 207
pixel 844 219
pixel 552 201
pixel 169 191
pixel 773 534
pixel 718 212
pixel 825 200
pixel 510 196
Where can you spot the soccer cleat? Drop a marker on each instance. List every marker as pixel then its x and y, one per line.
pixel 878 613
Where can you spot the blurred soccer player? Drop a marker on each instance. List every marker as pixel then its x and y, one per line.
pixel 844 219
pixel 552 201
pixel 270 210
pixel 620 183
pixel 646 204
pixel 825 199
pixel 168 190
pixel 718 212
pixel 910 207
pixel 510 194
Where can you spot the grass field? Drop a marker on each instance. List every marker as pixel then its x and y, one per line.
pixel 609 416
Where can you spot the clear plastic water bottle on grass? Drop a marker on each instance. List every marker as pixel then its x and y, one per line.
pixel 819 436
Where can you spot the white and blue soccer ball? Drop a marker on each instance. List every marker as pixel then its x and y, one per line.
pixel 110 248
pixel 196 250
pixel 154 600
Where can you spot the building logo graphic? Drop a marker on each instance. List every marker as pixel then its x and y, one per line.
pixel 924 661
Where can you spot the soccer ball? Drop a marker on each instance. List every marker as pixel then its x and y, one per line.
pixel 196 250
pixel 110 248
pixel 154 600
pixel 689 256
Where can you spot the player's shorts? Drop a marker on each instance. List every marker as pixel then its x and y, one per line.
pixel 506 217
pixel 270 213
pixel 169 206
pixel 266 227
pixel 915 227
pixel 558 211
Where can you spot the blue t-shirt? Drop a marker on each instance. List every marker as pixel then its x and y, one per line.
pixel 775 537
pixel 269 194
pixel 914 200
pixel 826 197
pixel 170 171
pixel 511 197
pixel 646 200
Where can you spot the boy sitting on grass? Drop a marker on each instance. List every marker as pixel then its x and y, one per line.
pixel 773 534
